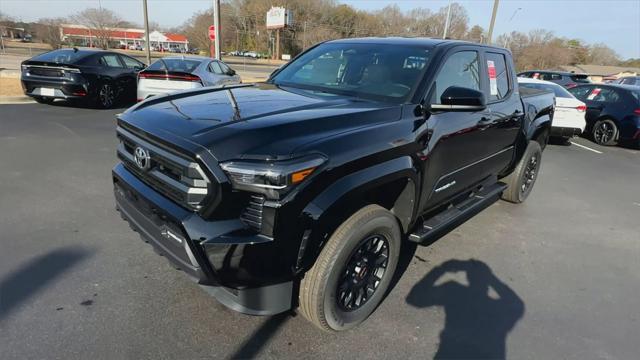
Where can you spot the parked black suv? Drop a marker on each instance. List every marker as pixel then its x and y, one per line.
pixel 301 191
pixel 566 79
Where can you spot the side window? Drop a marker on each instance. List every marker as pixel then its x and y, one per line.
pixel 604 95
pixel 130 62
pixel 110 60
pixel 215 68
pixel 581 92
pixel 460 69
pixel 498 76
pixel 224 67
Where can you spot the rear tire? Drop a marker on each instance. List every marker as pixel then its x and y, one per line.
pixel 605 132
pixel 106 96
pixel 352 275
pixel 520 182
pixel 44 100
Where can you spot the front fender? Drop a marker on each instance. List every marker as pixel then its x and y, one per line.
pixel 391 184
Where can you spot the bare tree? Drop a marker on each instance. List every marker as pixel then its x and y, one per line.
pixel 100 22
pixel 601 54
pixel 48 31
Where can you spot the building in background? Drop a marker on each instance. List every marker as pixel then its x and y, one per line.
pixel 124 38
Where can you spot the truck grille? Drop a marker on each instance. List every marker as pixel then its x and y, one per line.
pixel 176 177
pixel 252 214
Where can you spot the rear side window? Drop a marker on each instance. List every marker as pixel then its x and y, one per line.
pixel 498 76
pixel 215 68
pixel 460 69
pixel 110 60
pixel 225 68
pixel 174 65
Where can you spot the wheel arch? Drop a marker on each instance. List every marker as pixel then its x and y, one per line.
pixel 392 184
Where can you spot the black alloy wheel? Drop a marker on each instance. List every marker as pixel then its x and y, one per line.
pixel 106 96
pixel 363 272
pixel 530 174
pixel 605 132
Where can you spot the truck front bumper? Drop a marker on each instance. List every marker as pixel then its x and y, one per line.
pixel 200 248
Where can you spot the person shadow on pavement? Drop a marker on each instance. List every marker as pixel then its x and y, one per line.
pixel 478 316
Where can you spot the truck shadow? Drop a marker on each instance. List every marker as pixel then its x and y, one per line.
pixel 36 275
pixel 254 343
pixel 479 316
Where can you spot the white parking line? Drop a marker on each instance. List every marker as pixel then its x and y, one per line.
pixel 586 147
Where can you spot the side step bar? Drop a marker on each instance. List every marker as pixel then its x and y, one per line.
pixel 440 224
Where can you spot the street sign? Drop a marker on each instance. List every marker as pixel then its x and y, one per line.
pixel 212 32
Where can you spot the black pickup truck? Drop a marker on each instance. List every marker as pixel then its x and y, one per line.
pixel 301 191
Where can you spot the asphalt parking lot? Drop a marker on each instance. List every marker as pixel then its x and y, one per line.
pixel 555 278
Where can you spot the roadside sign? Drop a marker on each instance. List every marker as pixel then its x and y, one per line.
pixel 212 32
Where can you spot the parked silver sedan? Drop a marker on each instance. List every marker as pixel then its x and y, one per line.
pixel 175 73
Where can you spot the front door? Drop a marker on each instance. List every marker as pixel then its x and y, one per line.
pixel 459 142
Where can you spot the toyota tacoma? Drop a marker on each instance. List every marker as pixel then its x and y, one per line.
pixel 300 192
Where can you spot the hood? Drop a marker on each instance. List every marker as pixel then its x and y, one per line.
pixel 255 121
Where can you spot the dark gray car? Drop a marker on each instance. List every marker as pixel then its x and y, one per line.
pixel 566 79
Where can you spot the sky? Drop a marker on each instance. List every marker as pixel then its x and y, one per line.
pixel 612 22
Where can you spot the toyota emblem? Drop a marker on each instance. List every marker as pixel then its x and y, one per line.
pixel 142 158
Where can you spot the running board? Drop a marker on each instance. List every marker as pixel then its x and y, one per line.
pixel 440 224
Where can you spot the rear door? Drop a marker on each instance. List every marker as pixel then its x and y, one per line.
pixel 113 70
pixel 505 110
pixel 130 73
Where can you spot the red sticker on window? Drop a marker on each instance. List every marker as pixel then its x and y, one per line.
pixel 594 93
pixel 492 69
pixel 493 83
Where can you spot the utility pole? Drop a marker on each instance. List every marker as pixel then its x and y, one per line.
pixel 216 25
pixel 146 32
pixel 493 21
pixel 446 24
pixel 304 36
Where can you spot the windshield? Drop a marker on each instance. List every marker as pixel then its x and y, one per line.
pixel 557 89
pixel 371 71
pixel 62 56
pixel 174 65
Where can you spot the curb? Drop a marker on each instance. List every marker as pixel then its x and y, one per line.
pixel 5 100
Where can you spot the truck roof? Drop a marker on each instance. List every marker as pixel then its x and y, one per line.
pixel 424 41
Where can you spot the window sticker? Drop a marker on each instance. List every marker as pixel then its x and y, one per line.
pixel 493 82
pixel 594 93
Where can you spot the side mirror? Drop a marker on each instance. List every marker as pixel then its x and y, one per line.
pixel 231 72
pixel 456 98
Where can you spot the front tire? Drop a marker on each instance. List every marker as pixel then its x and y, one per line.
pixel 520 182
pixel 605 132
pixel 353 272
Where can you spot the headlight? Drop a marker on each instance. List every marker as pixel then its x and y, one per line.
pixel 272 178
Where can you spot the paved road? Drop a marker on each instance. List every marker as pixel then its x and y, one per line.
pixel 562 269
